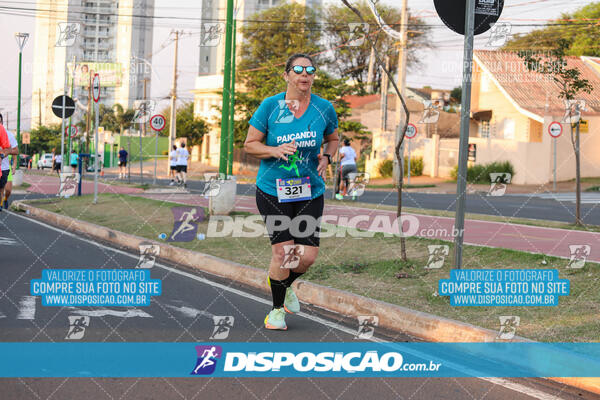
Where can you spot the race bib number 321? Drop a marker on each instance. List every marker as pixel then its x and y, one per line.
pixel 294 189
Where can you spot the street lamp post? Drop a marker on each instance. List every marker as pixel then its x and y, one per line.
pixel 21 38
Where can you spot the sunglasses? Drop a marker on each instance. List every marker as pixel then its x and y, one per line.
pixel 299 68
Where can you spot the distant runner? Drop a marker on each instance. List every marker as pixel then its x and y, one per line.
pixel 348 166
pixel 173 166
pixel 182 161
pixel 73 161
pixel 286 132
pixel 122 163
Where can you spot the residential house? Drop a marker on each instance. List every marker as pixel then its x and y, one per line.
pixel 511 110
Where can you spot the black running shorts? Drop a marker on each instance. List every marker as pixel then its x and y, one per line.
pixel 4 178
pixel 303 216
pixel 182 168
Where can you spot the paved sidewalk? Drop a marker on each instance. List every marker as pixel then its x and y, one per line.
pixel 533 239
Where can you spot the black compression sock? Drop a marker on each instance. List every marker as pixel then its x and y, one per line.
pixel 290 279
pixel 278 289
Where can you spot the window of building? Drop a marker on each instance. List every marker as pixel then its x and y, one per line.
pixel 484 129
pixel 509 128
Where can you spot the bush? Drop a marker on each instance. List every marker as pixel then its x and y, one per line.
pixel 386 168
pixel 416 166
pixel 480 173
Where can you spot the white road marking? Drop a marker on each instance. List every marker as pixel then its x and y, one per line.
pixel 6 241
pixel 190 312
pixel 2 315
pixel 103 312
pixel 534 393
pixel 26 308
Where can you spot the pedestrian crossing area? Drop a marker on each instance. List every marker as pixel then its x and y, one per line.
pixel 586 197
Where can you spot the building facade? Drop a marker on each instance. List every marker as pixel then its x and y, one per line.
pixel 75 38
pixel 211 63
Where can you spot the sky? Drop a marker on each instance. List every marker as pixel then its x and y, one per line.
pixel 440 66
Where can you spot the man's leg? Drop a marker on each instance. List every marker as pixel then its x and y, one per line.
pixel 6 194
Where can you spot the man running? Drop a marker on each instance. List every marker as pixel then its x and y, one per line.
pixel 182 160
pixel 122 162
pixel 290 180
pixel 173 166
pixel 8 146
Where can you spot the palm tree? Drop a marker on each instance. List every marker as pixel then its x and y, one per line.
pixel 123 117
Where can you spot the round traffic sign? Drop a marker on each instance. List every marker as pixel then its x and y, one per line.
pixel 158 122
pixel 72 131
pixel 96 87
pixel 411 131
pixel 452 13
pixel 57 106
pixel 555 129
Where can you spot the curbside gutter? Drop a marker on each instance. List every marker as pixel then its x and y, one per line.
pixel 395 318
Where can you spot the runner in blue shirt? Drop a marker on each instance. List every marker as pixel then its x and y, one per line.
pixel 122 163
pixel 73 160
pixel 286 133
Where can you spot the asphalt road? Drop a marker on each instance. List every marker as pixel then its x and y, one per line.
pixel 514 206
pixel 183 313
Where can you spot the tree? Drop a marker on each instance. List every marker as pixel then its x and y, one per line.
pixel 580 29
pixel 45 138
pixel 265 50
pixel 188 125
pixel 570 83
pixel 353 61
pixel 116 118
pixel 456 94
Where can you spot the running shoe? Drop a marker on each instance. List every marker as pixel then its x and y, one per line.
pixel 339 196
pixel 5 204
pixel 172 183
pixel 291 303
pixel 276 319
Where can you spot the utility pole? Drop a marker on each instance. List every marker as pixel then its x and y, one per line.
pixel 403 49
pixel 173 117
pixel 223 161
pixel 384 103
pixel 463 146
pixel 143 132
pixel 232 106
pixel 72 86
pixel 89 115
pixel 371 71
pixel 39 107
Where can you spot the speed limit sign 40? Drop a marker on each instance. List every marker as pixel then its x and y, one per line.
pixel 158 122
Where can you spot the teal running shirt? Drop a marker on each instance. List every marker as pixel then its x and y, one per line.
pixel 274 118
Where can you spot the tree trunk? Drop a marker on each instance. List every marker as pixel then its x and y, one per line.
pixel 399 211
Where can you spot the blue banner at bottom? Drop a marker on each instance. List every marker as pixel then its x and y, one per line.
pixel 306 359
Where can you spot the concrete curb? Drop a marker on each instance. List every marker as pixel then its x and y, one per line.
pixel 396 318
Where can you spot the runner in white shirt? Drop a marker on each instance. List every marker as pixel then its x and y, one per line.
pixel 182 159
pixel 173 166
pixel 58 163
pixel 348 166
pixel 8 169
